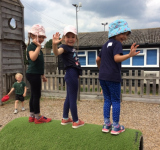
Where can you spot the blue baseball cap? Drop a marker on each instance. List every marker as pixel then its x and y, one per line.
pixel 118 27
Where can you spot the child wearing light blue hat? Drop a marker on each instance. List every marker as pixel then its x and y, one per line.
pixel 109 64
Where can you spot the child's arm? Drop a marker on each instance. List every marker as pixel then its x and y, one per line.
pixel 12 89
pixel 25 91
pixel 98 61
pixel 55 41
pixel 34 54
pixel 120 58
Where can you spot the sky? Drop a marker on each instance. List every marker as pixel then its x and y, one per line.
pixel 54 15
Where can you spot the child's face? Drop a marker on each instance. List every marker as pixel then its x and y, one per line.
pixel 122 37
pixel 70 39
pixel 19 78
pixel 40 38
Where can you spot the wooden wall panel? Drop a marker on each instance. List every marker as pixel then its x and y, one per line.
pixel 10 47
pixel 8 61
pixel 14 2
pixel 8 16
pixel 12 7
pixel 12 67
pixel 13 71
pixel 12 36
pixel 13 42
pixel 5 23
pixel 11 54
pixel 8 30
pixel 11 12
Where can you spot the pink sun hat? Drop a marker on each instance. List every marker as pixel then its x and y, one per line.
pixel 37 30
pixel 71 29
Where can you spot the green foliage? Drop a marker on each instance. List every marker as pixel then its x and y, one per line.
pixel 63 88
pixel 49 44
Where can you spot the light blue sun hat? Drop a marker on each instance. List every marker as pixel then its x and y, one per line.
pixel 118 27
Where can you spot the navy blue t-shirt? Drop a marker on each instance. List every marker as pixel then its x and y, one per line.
pixel 109 69
pixel 70 58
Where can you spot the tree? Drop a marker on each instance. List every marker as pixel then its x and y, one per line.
pixel 49 44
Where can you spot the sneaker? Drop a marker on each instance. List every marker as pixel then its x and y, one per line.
pixel 107 127
pixel 42 120
pixel 117 129
pixel 23 109
pixel 65 122
pixel 31 119
pixel 15 111
pixel 77 125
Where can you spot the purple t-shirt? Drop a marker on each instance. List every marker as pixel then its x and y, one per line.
pixel 70 58
pixel 109 69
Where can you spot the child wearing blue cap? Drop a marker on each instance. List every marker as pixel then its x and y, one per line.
pixel 109 64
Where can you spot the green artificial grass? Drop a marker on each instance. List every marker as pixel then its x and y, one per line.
pixel 19 134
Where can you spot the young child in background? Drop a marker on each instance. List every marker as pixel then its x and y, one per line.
pixel 20 91
pixel 109 64
pixel 35 72
pixel 73 70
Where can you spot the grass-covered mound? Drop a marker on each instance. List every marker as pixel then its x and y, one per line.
pixel 19 134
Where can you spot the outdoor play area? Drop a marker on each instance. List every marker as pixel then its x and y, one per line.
pixel 135 116
pixel 140 106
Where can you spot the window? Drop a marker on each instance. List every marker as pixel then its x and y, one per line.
pixel 148 57
pixel 12 23
pixel 87 58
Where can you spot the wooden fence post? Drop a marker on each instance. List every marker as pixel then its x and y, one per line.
pixel 136 81
pixel 130 82
pixel 142 83
pixel 124 84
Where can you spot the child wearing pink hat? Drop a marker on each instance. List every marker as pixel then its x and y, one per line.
pixel 109 64
pixel 35 72
pixel 73 70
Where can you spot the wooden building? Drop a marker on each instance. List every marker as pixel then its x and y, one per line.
pixel 11 39
pixel 90 44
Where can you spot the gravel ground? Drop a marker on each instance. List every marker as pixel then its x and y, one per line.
pixel 142 116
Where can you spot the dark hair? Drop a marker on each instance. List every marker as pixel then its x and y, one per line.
pixel 113 37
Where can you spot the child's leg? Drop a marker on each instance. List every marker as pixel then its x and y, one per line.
pixel 115 97
pixel 66 106
pixel 35 85
pixel 71 79
pixel 22 103
pixel 16 104
pixel 72 89
pixel 115 89
pixel 107 101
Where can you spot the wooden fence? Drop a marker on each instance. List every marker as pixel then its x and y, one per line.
pixel 134 84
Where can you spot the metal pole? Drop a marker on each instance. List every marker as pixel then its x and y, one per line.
pixel 104 24
pixel 77 19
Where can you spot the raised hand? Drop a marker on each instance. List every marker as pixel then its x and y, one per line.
pixel 133 50
pixel 36 42
pixel 56 39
